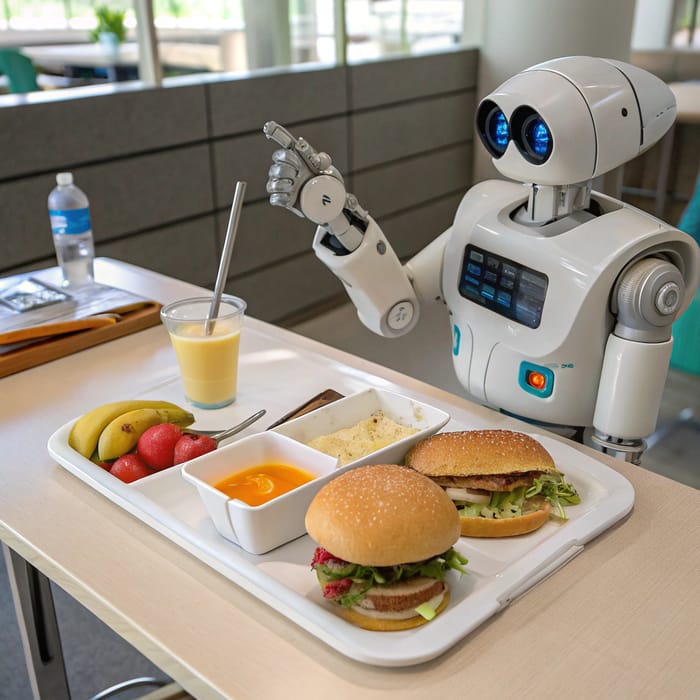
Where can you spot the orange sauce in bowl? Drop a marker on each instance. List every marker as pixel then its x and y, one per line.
pixel 260 484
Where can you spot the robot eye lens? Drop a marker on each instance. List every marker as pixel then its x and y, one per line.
pixel 492 127
pixel 531 135
pixel 498 134
pixel 537 136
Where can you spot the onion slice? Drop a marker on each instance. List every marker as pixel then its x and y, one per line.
pixel 468 495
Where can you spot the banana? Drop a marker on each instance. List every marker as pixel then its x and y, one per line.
pixel 121 435
pixel 87 429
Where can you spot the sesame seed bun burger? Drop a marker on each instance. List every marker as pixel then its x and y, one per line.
pixel 385 534
pixel 504 483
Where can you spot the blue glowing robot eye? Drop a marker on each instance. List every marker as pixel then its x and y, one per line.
pixel 538 137
pixel 498 131
pixel 531 135
pixel 493 128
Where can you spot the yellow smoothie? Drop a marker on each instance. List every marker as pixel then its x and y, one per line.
pixel 208 364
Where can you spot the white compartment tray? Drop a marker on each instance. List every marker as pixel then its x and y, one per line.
pixel 279 375
pixel 500 570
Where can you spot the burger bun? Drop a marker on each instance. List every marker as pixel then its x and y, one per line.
pixel 505 527
pixel 485 459
pixel 479 453
pixel 383 515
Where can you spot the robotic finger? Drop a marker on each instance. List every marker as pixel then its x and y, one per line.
pixel 286 176
pixel 282 171
pixel 282 199
pixel 283 187
pixel 279 186
pixel 282 180
pixel 276 132
pixel 318 163
pixel 289 158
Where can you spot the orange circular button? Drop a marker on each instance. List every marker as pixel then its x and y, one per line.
pixel 536 380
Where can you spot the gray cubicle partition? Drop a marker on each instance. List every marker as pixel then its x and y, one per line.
pixel 160 165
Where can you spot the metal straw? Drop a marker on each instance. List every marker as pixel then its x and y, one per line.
pixel 225 261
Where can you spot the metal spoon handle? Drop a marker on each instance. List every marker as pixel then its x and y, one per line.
pixel 220 435
pixel 237 428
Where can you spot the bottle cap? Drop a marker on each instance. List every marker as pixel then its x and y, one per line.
pixel 64 179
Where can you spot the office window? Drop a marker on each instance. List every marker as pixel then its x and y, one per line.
pixel 378 28
pixel 54 18
pixel 199 36
pixel 686 33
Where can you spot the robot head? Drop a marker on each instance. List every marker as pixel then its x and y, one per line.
pixel 571 119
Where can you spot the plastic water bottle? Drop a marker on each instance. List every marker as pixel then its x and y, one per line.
pixel 69 211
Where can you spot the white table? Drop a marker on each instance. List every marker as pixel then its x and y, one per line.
pixel 67 58
pixel 620 620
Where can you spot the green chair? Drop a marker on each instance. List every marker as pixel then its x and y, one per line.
pixel 686 330
pixel 19 70
pixel 685 356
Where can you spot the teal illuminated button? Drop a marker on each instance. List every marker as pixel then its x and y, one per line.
pixel 536 379
pixel 457 334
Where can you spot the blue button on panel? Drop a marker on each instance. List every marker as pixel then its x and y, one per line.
pixel 526 368
pixel 473 269
pixel 503 298
pixel 488 291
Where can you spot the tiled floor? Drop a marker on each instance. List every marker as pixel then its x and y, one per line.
pixel 424 354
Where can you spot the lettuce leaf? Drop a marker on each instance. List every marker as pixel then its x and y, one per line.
pixel 426 610
pixel 329 570
pixel 557 491
pixel 512 504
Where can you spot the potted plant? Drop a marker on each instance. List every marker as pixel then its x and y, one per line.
pixel 110 30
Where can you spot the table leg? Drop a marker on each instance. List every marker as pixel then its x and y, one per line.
pixel 36 615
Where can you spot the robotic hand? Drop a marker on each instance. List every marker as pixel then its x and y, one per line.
pixel 561 299
pixel 348 240
pixel 307 183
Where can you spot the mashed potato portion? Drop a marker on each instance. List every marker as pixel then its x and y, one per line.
pixel 349 444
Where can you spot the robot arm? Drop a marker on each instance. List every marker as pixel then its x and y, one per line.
pixel 348 240
pixel 647 300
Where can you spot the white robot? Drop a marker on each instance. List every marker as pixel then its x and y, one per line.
pixel 561 299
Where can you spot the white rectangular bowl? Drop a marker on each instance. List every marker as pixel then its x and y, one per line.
pixel 259 529
pixel 348 411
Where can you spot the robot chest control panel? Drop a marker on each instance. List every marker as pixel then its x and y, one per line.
pixel 502 285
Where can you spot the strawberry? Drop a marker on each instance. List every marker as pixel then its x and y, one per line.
pixel 130 467
pixel 190 446
pixel 157 445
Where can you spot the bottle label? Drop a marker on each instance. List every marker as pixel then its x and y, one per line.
pixel 70 221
